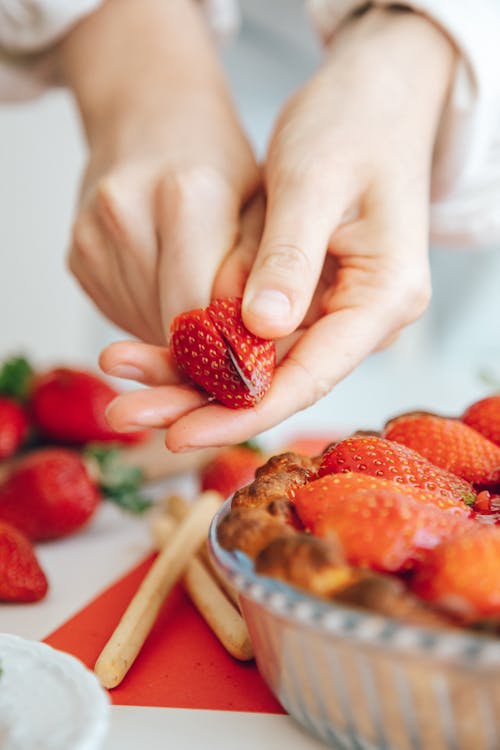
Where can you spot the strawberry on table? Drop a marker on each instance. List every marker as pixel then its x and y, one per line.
pixel 450 444
pixel 379 457
pixel 14 427
pixel 68 406
pixel 231 469
pixel 462 575
pixel 52 492
pixel 484 417
pixel 49 494
pixel 21 577
pixel 380 524
pixel 215 350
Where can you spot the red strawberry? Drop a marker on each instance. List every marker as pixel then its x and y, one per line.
pixel 484 416
pixel 213 348
pixel 231 469
pixel 380 524
pixel 309 444
pixel 69 405
pixel 21 577
pixel 462 574
pixel 13 427
pixel 49 494
pixel 450 444
pixel 378 457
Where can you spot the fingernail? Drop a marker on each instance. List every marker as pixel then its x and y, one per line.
pixel 147 418
pixel 270 305
pixel 129 372
pixel 130 427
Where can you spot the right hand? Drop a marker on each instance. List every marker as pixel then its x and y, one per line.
pixel 169 169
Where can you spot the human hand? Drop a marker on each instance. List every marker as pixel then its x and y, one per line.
pixel 169 165
pixel 343 258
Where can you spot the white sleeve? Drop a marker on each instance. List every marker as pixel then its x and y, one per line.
pixel 465 202
pixel 33 25
pixel 29 28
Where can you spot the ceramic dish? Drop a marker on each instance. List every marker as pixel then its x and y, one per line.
pixel 48 699
pixel 362 681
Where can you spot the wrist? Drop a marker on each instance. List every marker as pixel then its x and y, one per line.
pixel 399 57
pixel 132 60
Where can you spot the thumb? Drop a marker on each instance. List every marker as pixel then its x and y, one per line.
pixel 290 258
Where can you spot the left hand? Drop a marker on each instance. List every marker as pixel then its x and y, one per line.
pixel 343 258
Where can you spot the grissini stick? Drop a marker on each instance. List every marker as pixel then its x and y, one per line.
pixel 125 643
pixel 217 611
pixel 207 596
pixel 175 509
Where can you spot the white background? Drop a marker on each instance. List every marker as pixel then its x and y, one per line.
pixel 43 313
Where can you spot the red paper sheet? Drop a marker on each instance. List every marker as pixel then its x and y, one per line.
pixel 181 665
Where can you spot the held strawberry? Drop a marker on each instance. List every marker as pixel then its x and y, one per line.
pixel 380 524
pixel 449 444
pixel 214 349
pixel 69 405
pixel 14 427
pixel 378 457
pixel 21 577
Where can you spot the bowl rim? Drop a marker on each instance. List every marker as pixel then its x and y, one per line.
pixel 332 619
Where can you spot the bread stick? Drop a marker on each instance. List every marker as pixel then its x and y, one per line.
pixel 176 508
pixel 204 589
pixel 218 612
pixel 125 643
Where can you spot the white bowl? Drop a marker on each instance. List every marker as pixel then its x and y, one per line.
pixel 48 699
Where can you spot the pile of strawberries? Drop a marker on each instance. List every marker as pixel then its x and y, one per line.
pixel 420 501
pixel 53 465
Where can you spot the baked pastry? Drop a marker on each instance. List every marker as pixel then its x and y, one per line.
pixel 355 536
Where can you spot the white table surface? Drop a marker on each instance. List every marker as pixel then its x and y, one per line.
pixel 81 566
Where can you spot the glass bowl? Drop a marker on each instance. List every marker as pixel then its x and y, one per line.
pixel 363 681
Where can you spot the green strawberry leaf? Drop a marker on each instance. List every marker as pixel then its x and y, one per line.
pixel 119 482
pixel 251 445
pixel 16 375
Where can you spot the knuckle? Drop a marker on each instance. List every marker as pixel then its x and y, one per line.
pixel 183 191
pixel 84 248
pixel 411 295
pixel 111 206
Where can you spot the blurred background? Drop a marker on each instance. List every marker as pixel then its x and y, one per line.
pixel 435 365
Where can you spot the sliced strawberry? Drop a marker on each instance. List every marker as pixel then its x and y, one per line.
pixel 450 444
pixel 215 350
pixel 380 524
pixel 21 577
pixel 387 459
pixel 461 575
pixel 484 417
